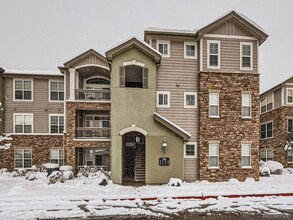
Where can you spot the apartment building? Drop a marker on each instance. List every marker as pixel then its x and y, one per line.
pixel 276 121
pixel 181 103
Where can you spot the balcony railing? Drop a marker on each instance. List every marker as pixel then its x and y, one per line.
pixel 92 95
pixel 98 133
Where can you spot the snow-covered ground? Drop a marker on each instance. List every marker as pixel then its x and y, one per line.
pixel 22 199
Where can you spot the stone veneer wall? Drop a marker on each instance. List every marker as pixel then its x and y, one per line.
pixel 40 145
pixel 71 124
pixel 230 129
pixel 279 117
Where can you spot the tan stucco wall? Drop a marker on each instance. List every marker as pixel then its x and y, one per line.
pixel 137 106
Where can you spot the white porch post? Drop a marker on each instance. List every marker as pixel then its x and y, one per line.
pixel 72 84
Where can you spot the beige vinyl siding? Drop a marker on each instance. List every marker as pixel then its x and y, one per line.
pixel 190 169
pixel 230 28
pixel 277 98
pixel 91 59
pixel 229 55
pixel 179 75
pixel 40 106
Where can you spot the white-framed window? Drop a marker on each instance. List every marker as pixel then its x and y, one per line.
pixel 56 90
pixel 246 56
pixel 23 123
pixel 266 130
pixel 23 90
pixel 266 154
pixel 289 98
pixel 267 103
pixel 289 125
pixel 290 156
pixel 214 105
pixel 214 155
pixel 56 123
pixel 214 54
pixel 163 99
pixel 190 100
pixel 246 155
pixel 190 150
pixel 57 156
pixel 22 158
pixel 163 46
pixel 190 50
pixel 246 105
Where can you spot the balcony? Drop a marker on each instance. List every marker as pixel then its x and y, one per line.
pixel 92 125
pixel 93 95
pixel 96 133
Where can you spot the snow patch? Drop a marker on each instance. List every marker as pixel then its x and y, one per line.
pixel 175 182
pixel 66 168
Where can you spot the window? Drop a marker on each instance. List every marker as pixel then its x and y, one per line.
pixel 213 155
pixel 266 104
pixel 22 158
pixel 245 155
pixel 246 105
pixel 289 96
pixel 266 154
pixel 163 99
pixel 56 124
pixel 190 150
pixel 23 89
pixel 56 91
pixel 266 130
pixel 57 156
pixel 164 48
pixel 213 54
pixel 214 105
pixel 245 56
pixel 289 125
pixel 290 156
pixel 190 50
pixel 23 123
pixel 134 76
pixel 190 99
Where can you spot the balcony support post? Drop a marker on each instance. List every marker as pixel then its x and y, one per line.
pixel 72 73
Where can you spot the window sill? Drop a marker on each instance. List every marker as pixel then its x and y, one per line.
pixel 190 157
pixel 189 106
pixel 214 116
pixel 162 106
pixel 246 167
pixel 248 118
pixel 190 57
pixel 213 168
pixel 263 139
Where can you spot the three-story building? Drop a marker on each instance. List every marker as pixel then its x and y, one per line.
pixel 178 104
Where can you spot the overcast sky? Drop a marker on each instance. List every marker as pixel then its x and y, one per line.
pixel 42 35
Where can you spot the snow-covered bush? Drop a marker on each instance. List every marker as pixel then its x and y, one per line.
pixel 19 172
pixel 30 176
pixel 249 180
pixel 97 175
pixel 264 170
pixel 275 167
pixel 175 182
pixel 5 146
pixel 50 167
pixel 56 176
pixel 233 181
pixel 67 172
pixel 4 172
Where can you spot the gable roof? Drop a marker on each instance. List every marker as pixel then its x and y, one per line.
pixel 2 69
pixel 31 72
pixel 84 55
pixel 133 41
pixel 170 31
pixel 242 19
pixel 277 86
pixel 173 127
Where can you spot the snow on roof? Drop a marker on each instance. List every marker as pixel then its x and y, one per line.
pixel 138 39
pixel 174 125
pixel 239 14
pixel 33 72
pixel 157 29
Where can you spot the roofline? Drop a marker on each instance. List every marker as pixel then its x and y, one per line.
pixel 145 45
pixel 276 86
pixel 82 55
pixel 174 32
pixel 173 127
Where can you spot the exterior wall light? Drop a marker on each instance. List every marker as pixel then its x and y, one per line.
pixel 164 147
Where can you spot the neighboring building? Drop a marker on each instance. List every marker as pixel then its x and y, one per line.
pixel 276 120
pixel 179 104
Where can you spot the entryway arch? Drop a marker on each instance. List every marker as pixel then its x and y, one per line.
pixel 133 157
